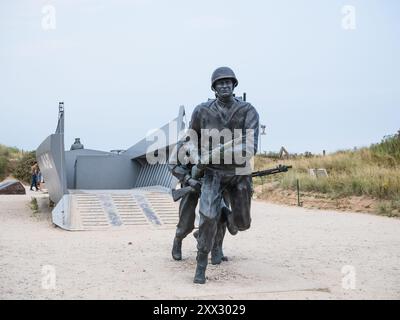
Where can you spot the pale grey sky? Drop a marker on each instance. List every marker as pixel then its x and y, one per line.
pixel 124 67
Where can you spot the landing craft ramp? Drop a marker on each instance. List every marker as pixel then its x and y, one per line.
pixel 105 209
pixel 95 189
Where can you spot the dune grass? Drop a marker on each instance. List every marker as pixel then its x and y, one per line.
pixel 372 172
pixel 8 157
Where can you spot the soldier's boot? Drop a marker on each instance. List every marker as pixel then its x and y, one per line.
pixel 177 249
pixel 200 275
pixel 230 224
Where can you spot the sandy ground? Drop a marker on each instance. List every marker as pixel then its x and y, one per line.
pixel 289 253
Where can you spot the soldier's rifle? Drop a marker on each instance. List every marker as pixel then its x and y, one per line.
pixel 177 194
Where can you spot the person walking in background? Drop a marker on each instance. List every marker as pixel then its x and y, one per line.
pixel 39 179
pixel 34 172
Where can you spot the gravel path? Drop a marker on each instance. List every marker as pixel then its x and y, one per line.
pixel 288 253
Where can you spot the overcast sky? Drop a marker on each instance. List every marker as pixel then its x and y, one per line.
pixel 321 75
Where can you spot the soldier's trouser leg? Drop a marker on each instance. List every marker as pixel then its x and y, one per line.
pixel 217 254
pixel 205 241
pixel 226 214
pixel 187 215
pixel 210 214
pixel 225 222
pixel 240 193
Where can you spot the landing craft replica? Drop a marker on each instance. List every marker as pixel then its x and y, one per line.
pixel 95 189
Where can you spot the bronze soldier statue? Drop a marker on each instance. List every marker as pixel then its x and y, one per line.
pixel 221 180
pixel 226 192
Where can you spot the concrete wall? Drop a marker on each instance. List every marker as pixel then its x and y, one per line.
pixel 105 172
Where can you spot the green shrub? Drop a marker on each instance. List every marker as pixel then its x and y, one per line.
pixel 388 150
pixel 34 205
pixel 22 169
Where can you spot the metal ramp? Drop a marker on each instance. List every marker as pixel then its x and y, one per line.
pixel 106 209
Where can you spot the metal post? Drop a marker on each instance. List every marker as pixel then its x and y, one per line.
pixel 298 193
pixel 262 133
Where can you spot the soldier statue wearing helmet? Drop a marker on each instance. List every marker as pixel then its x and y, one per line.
pixel 223 73
pixel 226 191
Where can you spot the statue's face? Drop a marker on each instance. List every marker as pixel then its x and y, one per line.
pixel 224 87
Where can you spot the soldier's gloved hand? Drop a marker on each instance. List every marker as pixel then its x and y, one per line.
pixel 197 172
pixel 196 184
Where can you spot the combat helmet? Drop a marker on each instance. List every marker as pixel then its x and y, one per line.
pixel 223 73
